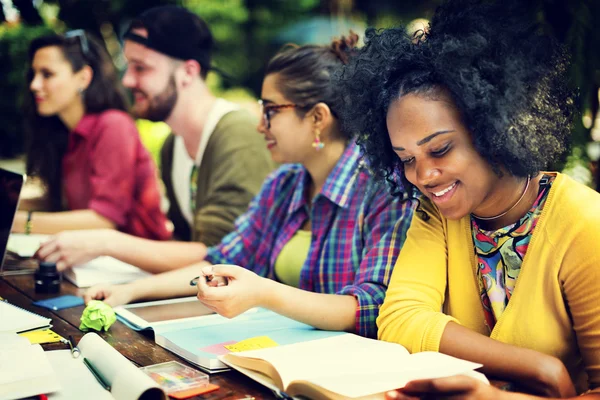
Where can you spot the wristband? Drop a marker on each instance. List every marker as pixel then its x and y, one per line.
pixel 28 223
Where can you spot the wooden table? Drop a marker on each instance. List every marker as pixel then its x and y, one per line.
pixel 135 346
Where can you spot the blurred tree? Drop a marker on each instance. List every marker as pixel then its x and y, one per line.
pixel 249 32
pixel 29 14
pixel 14 42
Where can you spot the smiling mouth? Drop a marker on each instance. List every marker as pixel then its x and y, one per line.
pixel 443 192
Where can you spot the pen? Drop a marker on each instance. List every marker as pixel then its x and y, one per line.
pixel 194 281
pixel 75 352
pixel 101 380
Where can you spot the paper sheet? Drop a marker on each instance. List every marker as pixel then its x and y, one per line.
pixel 25 245
pixel 24 369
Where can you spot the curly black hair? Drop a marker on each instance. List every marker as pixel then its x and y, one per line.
pixel 506 78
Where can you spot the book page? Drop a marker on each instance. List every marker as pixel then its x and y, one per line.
pixel 354 366
pixel 126 380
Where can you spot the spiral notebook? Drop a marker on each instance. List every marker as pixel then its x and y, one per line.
pixel 16 320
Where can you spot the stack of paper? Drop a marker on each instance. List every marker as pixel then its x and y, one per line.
pixel 24 369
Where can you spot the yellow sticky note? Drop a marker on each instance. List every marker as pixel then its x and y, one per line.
pixel 45 336
pixel 255 343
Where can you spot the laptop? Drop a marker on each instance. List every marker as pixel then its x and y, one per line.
pixel 11 184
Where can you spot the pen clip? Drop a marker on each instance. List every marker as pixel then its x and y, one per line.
pixel 75 352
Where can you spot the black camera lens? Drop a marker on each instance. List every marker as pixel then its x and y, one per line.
pixel 47 278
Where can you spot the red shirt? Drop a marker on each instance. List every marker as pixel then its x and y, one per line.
pixel 107 169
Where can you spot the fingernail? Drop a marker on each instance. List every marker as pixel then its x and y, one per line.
pixel 207 270
pixel 392 394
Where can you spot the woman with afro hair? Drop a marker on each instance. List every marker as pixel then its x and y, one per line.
pixel 500 265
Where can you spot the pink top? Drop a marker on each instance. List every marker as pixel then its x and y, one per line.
pixel 107 169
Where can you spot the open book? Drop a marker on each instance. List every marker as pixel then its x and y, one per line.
pixel 126 381
pixel 342 367
pixel 187 328
pixel 99 270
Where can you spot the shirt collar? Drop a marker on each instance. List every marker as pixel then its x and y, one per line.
pixel 86 124
pixel 338 186
pixel 340 182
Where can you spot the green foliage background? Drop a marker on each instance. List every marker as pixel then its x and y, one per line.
pixel 249 32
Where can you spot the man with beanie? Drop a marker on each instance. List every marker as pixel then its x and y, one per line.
pixel 212 164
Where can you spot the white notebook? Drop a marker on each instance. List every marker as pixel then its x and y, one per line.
pixel 14 319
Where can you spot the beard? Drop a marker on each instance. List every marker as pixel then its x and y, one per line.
pixel 160 106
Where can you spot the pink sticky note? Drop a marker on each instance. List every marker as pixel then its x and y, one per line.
pixel 218 349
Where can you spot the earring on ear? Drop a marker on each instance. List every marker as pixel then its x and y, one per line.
pixel 317 144
pixel 80 91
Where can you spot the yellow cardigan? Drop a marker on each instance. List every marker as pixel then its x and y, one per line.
pixel 554 308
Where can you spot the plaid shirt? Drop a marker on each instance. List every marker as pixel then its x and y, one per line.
pixel 358 229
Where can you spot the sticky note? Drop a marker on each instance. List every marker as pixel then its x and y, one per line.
pixel 255 343
pixel 44 336
pixel 218 349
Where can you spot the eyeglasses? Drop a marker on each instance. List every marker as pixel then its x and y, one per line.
pixel 266 110
pixel 80 34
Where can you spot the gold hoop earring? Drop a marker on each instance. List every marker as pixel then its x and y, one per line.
pixel 317 144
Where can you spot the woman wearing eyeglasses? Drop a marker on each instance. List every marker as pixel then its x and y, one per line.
pixel 318 241
pixel 83 146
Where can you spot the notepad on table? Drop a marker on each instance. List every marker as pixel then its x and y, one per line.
pixel 14 319
pixel 343 367
pixel 125 380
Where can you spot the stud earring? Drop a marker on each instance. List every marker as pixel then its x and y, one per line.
pixel 317 144
pixel 80 91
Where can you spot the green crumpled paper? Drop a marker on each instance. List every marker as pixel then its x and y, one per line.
pixel 97 316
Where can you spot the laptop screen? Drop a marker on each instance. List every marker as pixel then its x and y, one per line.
pixel 11 184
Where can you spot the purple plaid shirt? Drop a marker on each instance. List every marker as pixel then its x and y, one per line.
pixel 358 229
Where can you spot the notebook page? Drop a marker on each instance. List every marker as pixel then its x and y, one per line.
pixel 126 380
pixel 76 380
pixel 14 319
